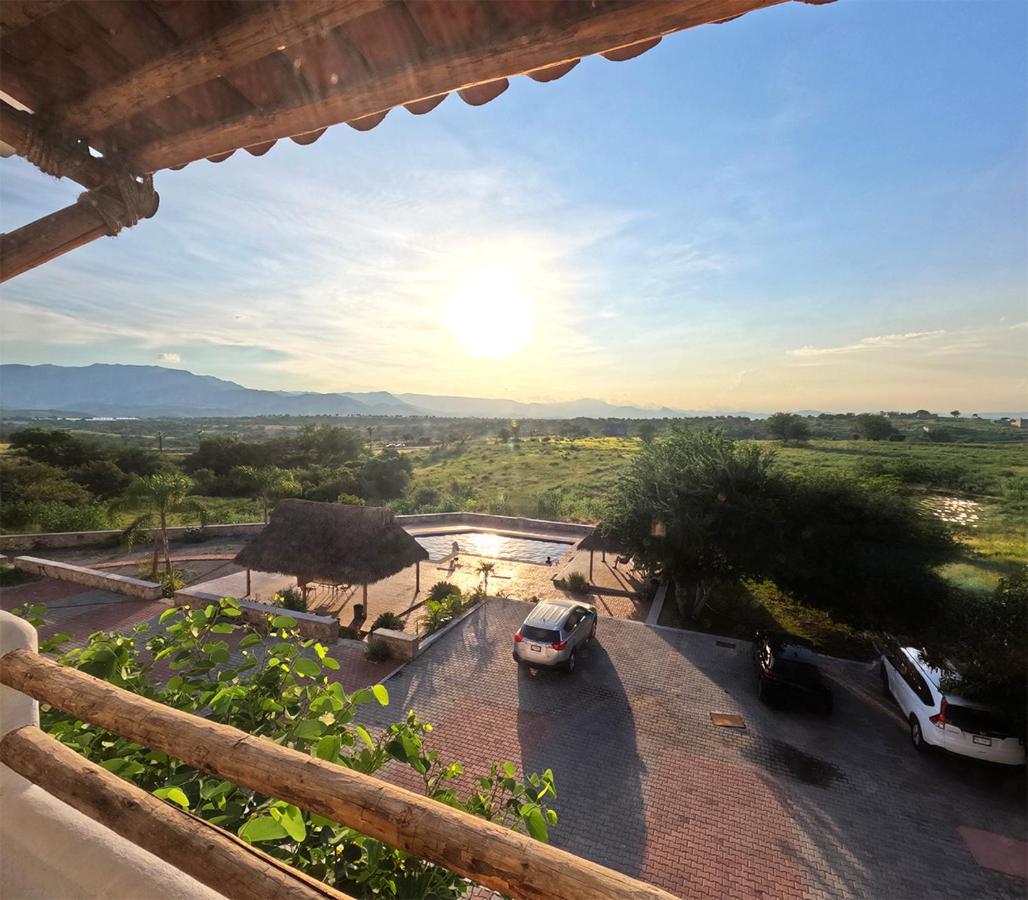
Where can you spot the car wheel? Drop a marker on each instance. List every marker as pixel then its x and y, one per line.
pixel 916 737
pixel 592 634
pixel 569 666
pixel 885 680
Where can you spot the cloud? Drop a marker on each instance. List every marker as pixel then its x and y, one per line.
pixel 878 342
pixel 169 358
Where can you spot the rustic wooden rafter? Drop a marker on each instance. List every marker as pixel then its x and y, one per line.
pixel 615 26
pixel 484 851
pixel 211 855
pixel 251 38
pixel 52 152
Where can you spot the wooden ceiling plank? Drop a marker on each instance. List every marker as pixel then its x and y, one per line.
pixel 237 43
pixel 17 14
pixel 543 46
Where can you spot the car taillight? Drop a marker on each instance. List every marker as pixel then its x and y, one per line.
pixel 517 637
pixel 939 719
pixel 559 645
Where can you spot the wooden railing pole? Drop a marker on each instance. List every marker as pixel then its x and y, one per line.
pixel 222 861
pixel 483 851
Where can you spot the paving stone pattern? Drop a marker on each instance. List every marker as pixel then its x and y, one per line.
pixel 794 805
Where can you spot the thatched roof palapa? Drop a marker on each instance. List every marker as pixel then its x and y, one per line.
pixel 598 542
pixel 331 543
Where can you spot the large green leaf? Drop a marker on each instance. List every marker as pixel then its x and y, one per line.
pixel 263 828
pixel 309 667
pixel 174 794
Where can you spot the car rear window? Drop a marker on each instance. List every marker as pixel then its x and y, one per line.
pixel 542 635
pixel 800 673
pixel 977 721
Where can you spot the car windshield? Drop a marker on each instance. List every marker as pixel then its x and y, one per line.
pixel 543 635
pixel 977 721
pixel 800 673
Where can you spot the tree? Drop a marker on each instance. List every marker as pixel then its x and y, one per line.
pixel 874 427
pixel 986 637
pixel 268 484
pixel 865 551
pixel 485 569
pixel 386 476
pixel 162 494
pixel 955 413
pixel 647 431
pixel 699 507
pixel 54 447
pixel 286 697
pixel 102 478
pixel 786 427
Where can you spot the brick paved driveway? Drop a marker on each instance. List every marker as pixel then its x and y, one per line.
pixel 794 806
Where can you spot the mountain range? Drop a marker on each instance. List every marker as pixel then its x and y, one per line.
pixel 151 391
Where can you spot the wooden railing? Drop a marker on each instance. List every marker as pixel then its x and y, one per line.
pixel 483 851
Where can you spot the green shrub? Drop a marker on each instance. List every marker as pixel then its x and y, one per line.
pixel 442 589
pixel 439 613
pixel 388 620
pixel 170 581
pixel 377 650
pixel 293 599
pixel 577 583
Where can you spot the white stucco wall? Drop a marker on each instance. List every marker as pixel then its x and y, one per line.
pixel 49 850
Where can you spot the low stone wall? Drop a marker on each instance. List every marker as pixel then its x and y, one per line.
pixel 104 581
pixel 402 646
pixel 64 539
pixel 573 531
pixel 513 524
pixel 323 629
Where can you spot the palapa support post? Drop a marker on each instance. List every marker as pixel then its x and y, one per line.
pixel 417 577
pixel 247 582
pixel 590 566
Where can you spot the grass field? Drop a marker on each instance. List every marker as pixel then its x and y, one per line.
pixel 570 479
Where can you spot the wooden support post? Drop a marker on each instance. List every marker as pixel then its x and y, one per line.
pixel 98 213
pixel 590 566
pixel 214 857
pixel 485 852
pixel 247 582
pixel 417 577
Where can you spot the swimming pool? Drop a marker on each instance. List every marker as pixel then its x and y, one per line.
pixel 500 546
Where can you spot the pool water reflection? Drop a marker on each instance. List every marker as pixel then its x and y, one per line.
pixel 499 546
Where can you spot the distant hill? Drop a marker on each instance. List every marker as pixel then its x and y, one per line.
pixel 115 390
pixel 151 391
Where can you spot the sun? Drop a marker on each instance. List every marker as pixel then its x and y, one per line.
pixel 490 314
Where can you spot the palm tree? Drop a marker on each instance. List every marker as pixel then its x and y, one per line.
pixel 485 569
pixel 163 494
pixel 268 484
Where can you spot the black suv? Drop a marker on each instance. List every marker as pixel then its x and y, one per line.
pixel 787 671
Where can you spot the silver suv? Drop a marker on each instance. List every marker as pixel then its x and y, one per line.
pixel 554 633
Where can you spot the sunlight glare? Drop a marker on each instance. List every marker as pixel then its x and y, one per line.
pixel 490 314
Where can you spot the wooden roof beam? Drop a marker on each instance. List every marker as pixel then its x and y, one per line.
pixel 608 26
pixel 251 38
pixel 51 152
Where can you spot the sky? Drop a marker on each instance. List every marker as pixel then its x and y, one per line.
pixel 810 207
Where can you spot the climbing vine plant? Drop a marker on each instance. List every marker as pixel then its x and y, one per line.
pixel 208 662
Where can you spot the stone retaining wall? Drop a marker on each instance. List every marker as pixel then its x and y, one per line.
pixel 402 646
pixel 63 539
pixel 104 581
pixel 323 629
pixel 436 521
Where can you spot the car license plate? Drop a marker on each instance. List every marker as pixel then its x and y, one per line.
pixel 536 648
pixel 984 741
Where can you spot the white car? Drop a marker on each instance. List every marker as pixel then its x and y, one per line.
pixel 938 718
